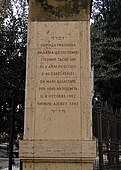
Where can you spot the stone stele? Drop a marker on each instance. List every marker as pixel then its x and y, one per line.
pixel 58 123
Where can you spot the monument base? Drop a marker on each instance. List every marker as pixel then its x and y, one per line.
pixel 57 166
pixel 57 154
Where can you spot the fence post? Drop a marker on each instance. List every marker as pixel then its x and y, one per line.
pixel 100 147
pixel 11 134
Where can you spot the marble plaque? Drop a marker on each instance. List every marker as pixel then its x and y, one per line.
pixel 58 80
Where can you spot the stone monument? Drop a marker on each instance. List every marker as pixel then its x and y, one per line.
pixel 58 124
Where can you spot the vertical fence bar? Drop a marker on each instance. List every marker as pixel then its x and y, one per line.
pixel 100 149
pixel 117 141
pixel 11 133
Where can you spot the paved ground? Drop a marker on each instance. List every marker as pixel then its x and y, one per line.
pixel 4 164
pixel 4 160
pixel 13 168
pixel 3 152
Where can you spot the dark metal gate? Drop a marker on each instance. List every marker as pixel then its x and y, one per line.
pixel 107 130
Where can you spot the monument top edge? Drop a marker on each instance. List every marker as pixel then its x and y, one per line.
pixel 59 10
pixel 87 0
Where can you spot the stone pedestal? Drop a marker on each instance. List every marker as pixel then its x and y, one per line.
pixel 58 122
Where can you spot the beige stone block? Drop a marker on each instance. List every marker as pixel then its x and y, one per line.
pixel 63 166
pixel 26 149
pixel 87 166
pixel 58 166
pixel 58 150
pixel 57 123
pixel 85 49
pixel 88 150
pixel 86 95
pixel 30 98
pixel 29 121
pixel 86 108
pixel 28 166
pixel 86 125
pixel 39 94
pixel 31 63
pixel 32 35
pixel 56 34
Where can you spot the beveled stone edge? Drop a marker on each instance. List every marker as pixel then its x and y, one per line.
pixel 58 160
pixel 72 151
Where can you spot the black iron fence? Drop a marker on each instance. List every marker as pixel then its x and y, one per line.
pixel 107 130
pixel 11 128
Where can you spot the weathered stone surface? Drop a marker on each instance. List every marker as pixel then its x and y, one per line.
pixel 58 123
pixel 57 166
pixel 59 81
pixel 59 10
pixel 58 150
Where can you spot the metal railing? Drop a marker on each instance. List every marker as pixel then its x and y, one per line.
pixel 107 128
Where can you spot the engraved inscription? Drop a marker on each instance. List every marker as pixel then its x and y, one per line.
pixel 57 54
pixel 58 72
